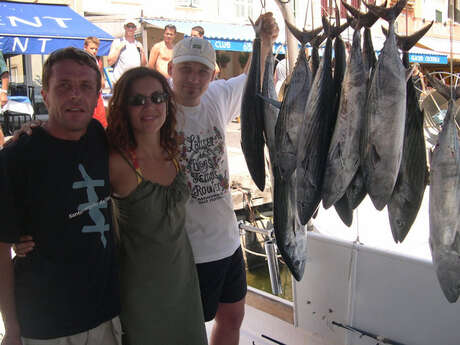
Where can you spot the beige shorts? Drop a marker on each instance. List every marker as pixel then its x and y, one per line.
pixel 107 333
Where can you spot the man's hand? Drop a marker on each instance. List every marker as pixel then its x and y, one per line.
pixel 26 128
pixel 270 29
pixel 24 246
pixel 3 99
pixel 10 339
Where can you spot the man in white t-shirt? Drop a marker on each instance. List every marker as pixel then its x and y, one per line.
pixel 204 110
pixel 126 53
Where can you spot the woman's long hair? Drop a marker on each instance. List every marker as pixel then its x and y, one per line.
pixel 119 130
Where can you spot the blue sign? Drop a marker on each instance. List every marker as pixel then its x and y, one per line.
pixel 425 58
pixel 428 58
pixel 240 46
pixel 27 28
pixel 37 45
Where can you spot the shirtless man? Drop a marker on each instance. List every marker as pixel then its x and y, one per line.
pixel 161 52
pixel 198 31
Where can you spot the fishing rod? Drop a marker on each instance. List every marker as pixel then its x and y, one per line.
pixel 362 333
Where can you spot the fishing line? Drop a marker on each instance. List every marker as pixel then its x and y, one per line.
pixel 451 51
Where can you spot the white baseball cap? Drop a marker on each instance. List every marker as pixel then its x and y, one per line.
pixel 194 49
pixel 130 21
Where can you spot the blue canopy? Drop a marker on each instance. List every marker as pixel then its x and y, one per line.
pixel 223 36
pixel 27 28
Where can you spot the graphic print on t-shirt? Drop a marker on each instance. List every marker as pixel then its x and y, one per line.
pixel 202 160
pixel 93 205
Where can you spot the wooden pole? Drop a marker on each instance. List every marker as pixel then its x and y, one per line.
pixel 292 46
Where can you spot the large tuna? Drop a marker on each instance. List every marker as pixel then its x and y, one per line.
pixel 444 206
pixel 344 157
pixel 383 134
pixel 413 174
pixel 290 235
pixel 292 112
pixel 252 121
pixel 270 111
pixel 315 136
pixel 366 20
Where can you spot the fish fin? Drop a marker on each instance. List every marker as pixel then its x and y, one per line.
pixel 364 19
pixel 273 102
pixel 303 36
pixel 316 42
pixel 405 43
pixel 326 26
pixel 344 210
pixel 444 90
pixel 389 14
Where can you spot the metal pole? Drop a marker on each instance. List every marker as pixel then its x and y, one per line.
pixel 273 268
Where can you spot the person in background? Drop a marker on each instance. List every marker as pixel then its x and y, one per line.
pixel 198 31
pixel 160 296
pixel 280 77
pixel 91 45
pixel 419 80
pixel 55 187
pixel 126 53
pixel 204 110
pixel 5 77
pixel 161 52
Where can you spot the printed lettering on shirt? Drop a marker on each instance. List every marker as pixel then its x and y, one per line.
pixel 94 205
pixel 202 160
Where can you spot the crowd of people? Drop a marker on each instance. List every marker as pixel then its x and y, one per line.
pixel 134 223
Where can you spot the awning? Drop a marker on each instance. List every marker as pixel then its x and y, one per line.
pixel 27 28
pixel 419 53
pixel 223 36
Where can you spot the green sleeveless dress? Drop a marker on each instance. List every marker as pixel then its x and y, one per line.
pixel 160 297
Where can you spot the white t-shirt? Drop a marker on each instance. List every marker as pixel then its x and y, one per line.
pixel 280 71
pixel 130 57
pixel 210 219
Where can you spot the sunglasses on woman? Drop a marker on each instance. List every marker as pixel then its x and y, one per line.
pixel 155 98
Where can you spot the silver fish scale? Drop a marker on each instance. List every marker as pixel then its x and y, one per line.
pixel 384 130
pixel 444 207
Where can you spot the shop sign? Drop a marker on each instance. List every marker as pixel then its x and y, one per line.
pixel 428 58
pixel 239 46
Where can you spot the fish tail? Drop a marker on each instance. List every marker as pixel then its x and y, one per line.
pixel 405 43
pixel 389 14
pixel 303 36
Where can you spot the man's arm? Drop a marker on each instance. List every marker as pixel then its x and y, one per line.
pixel 115 50
pixel 154 53
pixel 7 297
pixel 142 53
pixel 268 35
pixel 4 89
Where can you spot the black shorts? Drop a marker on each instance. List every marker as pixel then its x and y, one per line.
pixel 222 281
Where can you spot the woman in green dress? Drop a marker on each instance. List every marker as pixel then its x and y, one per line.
pixel 160 295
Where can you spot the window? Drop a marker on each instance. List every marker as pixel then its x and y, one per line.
pixel 438 16
pixel 188 3
pixel 243 8
pixel 456 11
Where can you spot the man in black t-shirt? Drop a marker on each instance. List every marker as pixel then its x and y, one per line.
pixel 54 186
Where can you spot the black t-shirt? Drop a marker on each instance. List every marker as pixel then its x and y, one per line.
pixel 58 192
